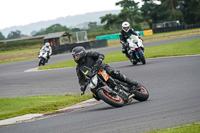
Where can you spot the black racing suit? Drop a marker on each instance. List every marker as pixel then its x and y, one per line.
pixel 123 39
pixel 90 61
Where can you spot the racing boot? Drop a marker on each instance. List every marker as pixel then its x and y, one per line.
pixel 130 82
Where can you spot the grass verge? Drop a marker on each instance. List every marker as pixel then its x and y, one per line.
pixel 12 107
pixel 190 47
pixel 191 128
pixel 22 53
pixel 161 36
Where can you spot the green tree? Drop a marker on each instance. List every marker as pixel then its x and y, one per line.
pixel 41 32
pixel 191 11
pixel 130 13
pixel 56 28
pixel 2 36
pixel 169 10
pixel 165 11
pixel 92 25
pixel 132 16
pixel 149 11
pixel 14 34
pixel 52 29
pixel 128 4
pixel 110 21
pixel 75 29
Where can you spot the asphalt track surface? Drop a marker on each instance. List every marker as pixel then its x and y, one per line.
pixel 173 84
pixel 14 82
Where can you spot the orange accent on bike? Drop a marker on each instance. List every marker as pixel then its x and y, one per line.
pixel 116 100
pixel 92 92
pixel 104 74
pixel 144 90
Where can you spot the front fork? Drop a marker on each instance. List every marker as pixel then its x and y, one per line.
pixel 137 53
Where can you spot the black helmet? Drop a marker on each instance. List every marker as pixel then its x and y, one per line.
pixel 78 54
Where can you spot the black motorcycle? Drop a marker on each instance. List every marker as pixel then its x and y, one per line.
pixel 100 84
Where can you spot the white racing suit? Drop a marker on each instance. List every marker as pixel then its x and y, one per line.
pixel 48 50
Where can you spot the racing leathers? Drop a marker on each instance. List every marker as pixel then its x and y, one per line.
pixel 123 40
pixel 48 50
pixel 94 59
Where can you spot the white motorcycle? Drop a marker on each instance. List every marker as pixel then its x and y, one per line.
pixel 136 50
pixel 42 57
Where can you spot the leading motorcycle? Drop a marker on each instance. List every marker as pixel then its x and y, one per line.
pixel 136 50
pixel 101 86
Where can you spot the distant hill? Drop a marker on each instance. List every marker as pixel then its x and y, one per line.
pixel 69 21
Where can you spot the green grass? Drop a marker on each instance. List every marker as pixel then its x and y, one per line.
pixel 190 47
pixel 18 49
pixel 161 36
pixel 19 54
pixel 191 128
pixel 12 107
pixel 17 60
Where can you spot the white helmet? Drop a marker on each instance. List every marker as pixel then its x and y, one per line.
pixel 125 26
pixel 47 44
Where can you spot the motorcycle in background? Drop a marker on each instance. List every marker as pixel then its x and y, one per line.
pixel 136 50
pixel 42 57
pixel 100 84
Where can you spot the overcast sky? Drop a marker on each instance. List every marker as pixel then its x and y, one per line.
pixel 23 12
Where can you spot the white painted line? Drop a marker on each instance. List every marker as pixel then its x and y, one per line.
pixel 87 103
pixel 27 117
pixel 19 119
pixel 36 69
pixel 32 70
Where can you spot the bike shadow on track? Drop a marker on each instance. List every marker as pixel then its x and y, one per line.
pixel 108 107
pixel 152 61
pixel 138 65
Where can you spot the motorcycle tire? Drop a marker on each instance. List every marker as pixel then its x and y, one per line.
pixel 43 61
pixel 134 62
pixel 142 58
pixel 40 62
pixel 141 94
pixel 115 101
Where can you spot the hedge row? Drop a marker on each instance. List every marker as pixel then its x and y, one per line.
pixel 21 43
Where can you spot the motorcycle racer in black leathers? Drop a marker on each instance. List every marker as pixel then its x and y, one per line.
pixel 124 35
pixel 94 60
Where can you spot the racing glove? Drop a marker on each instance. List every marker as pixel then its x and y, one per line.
pixel 83 88
pixel 97 64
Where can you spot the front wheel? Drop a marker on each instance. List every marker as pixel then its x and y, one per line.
pixel 141 94
pixel 40 62
pixel 141 55
pixel 115 101
pixel 133 60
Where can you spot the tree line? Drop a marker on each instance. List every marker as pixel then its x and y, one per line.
pixel 154 11
pixel 151 12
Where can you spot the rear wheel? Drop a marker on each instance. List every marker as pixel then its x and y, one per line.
pixel 141 94
pixel 110 99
